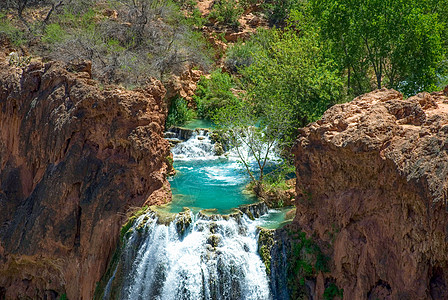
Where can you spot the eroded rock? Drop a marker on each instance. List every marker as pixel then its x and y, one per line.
pixel 74 157
pixel 372 178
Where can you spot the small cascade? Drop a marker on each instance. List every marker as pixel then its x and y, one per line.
pixel 206 256
pixel 197 146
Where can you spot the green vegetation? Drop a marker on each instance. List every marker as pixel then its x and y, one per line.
pixel 305 260
pixel 294 77
pixel 179 113
pixel 288 83
pixel 128 41
pixel 398 42
pixel 214 93
pixel 276 178
pixel 226 12
pixel 12 33
pixel 333 291
pixel 125 229
pixel 265 243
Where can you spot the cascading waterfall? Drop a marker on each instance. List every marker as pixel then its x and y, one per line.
pixel 209 258
pixel 195 254
pixel 197 146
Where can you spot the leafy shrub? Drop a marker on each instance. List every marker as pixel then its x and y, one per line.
pixel 226 12
pixel 333 291
pixel 53 34
pixel 148 38
pixel 305 259
pixel 241 55
pixel 7 30
pixel 292 74
pixel 249 3
pixel 278 11
pixel 214 93
pixel 179 113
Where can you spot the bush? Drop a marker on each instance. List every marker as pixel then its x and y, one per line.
pixel 214 93
pixel 294 75
pixel 179 113
pixel 226 12
pixel 333 291
pixel 53 34
pixel 8 31
pixel 241 55
pixel 147 38
pixel 278 11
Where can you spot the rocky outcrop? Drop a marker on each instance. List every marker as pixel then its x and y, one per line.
pixel 75 157
pixel 372 178
pixel 184 86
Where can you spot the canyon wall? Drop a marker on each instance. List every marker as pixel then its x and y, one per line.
pixel 75 158
pixel 372 192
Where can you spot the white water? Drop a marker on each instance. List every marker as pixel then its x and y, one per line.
pixel 199 146
pixel 210 260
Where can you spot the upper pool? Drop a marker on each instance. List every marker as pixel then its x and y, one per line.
pixel 204 180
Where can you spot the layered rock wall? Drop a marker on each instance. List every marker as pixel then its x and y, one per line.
pixel 75 157
pixel 372 178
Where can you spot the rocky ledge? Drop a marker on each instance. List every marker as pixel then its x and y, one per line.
pixel 372 178
pixel 75 157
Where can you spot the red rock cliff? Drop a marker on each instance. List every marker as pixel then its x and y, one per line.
pixel 372 186
pixel 74 157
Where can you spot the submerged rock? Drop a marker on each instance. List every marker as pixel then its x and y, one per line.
pixel 183 221
pixel 254 210
pixel 372 186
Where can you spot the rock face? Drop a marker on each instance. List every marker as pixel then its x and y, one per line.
pixel 184 86
pixel 372 178
pixel 74 158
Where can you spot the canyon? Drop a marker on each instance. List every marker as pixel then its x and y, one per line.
pixel 78 158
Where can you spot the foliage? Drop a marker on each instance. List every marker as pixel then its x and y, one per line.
pixel 53 34
pixel 333 291
pixel 254 137
pixel 277 178
pixel 240 55
pixel 125 229
pixel 143 39
pixel 226 12
pixel 278 11
pixel 179 113
pixel 305 259
pixel 12 33
pixel 246 4
pixel 214 93
pixel 292 76
pixel 399 41
pixel 265 243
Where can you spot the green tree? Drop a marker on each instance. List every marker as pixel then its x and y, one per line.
pixel 294 73
pixel 399 41
pixel 253 137
pixel 214 93
pixel 289 82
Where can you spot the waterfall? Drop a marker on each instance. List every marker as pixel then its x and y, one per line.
pixel 191 257
pixel 197 146
pixel 201 255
